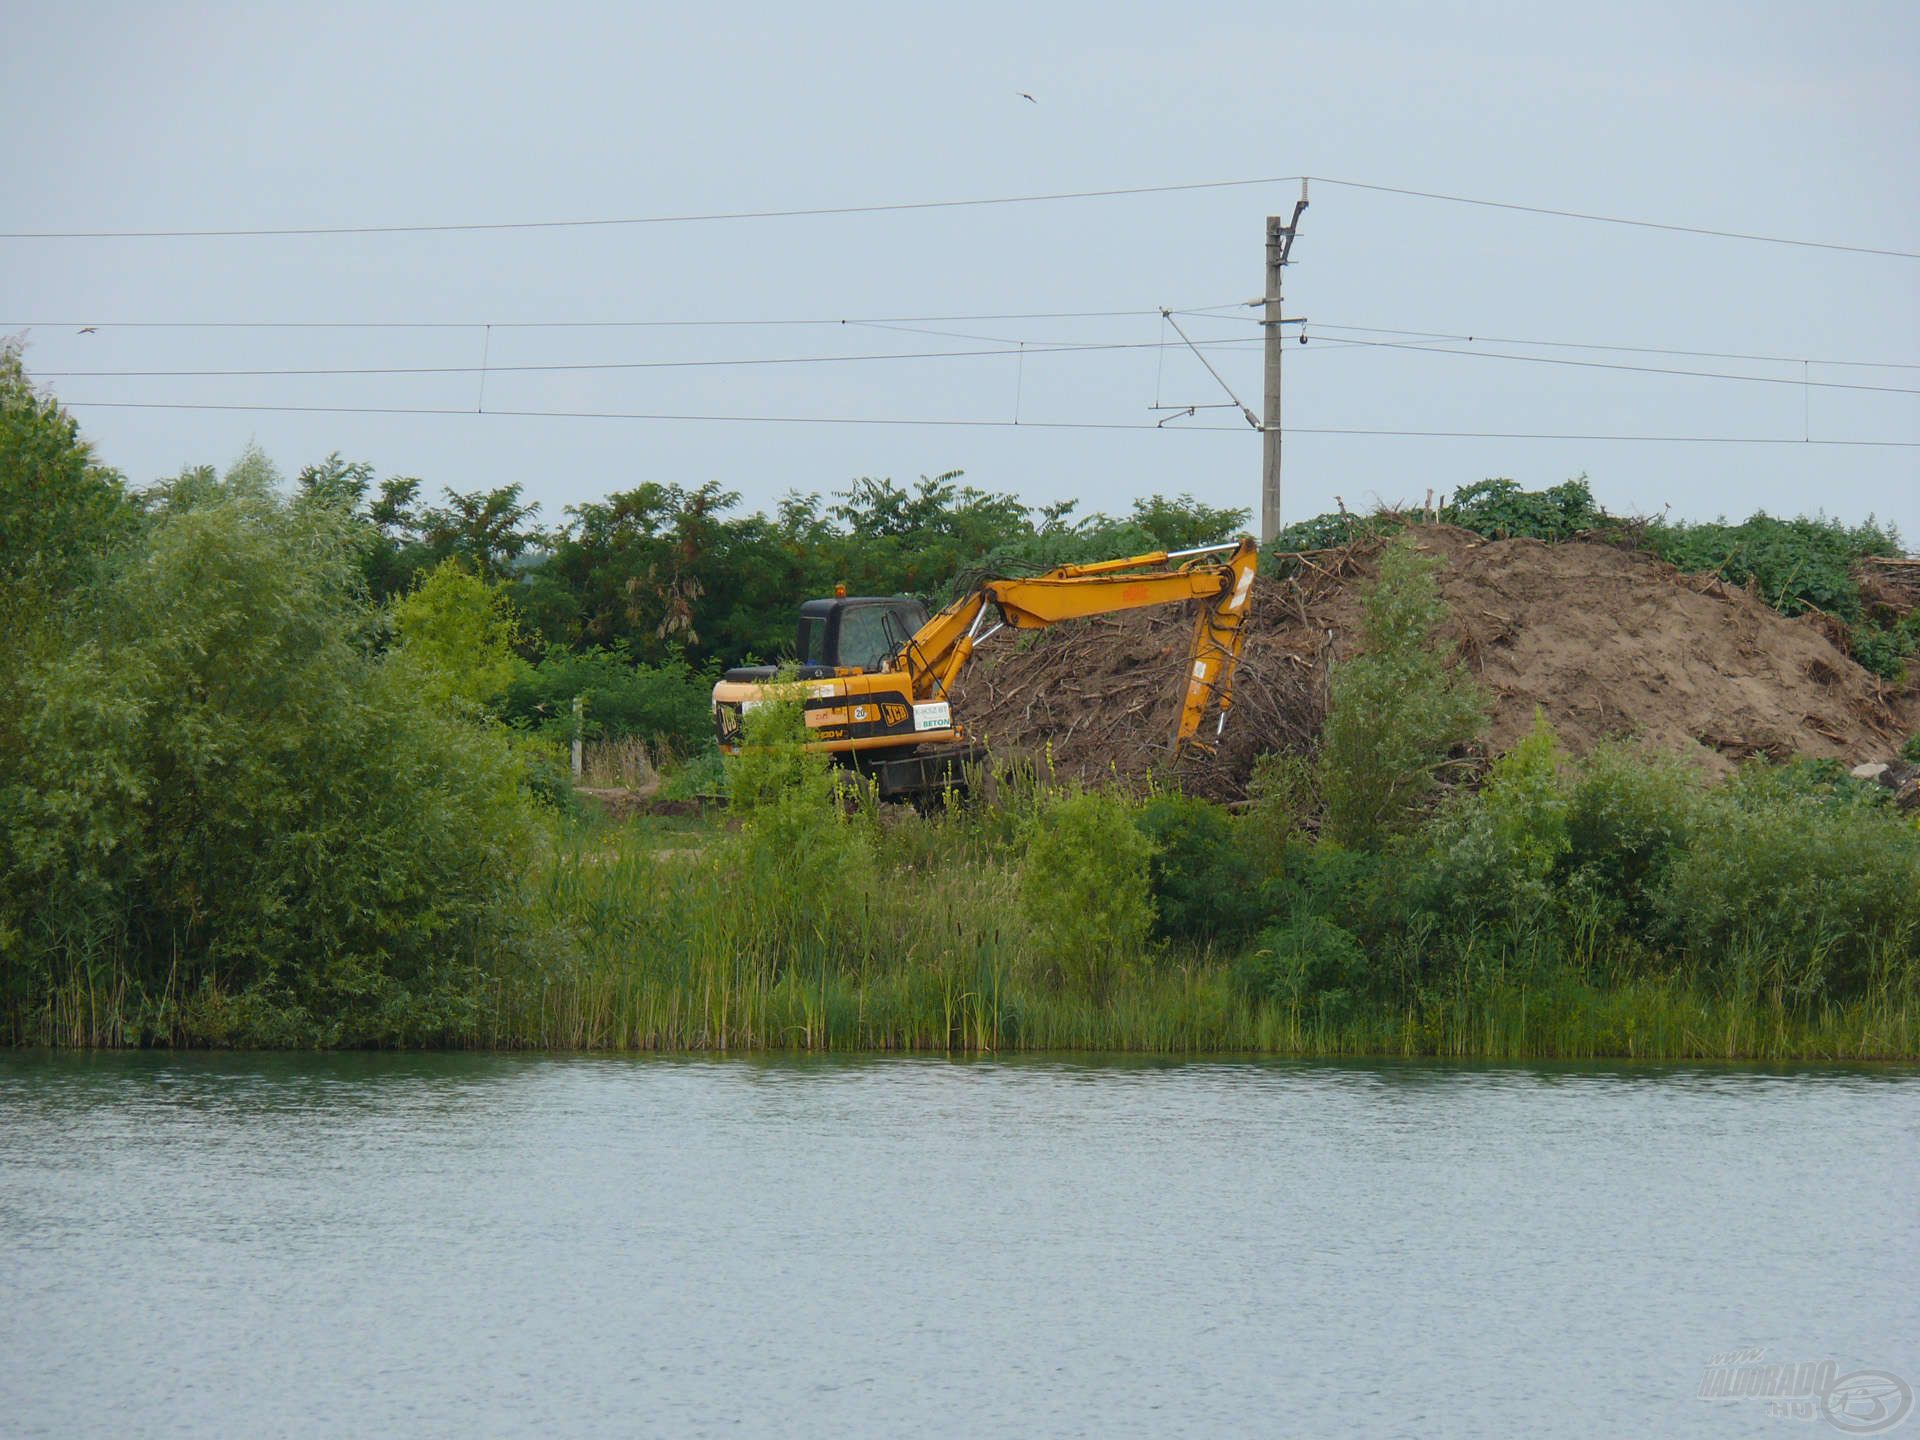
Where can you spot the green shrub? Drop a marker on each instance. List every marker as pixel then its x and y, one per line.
pixel 668 705
pixel 1803 896
pixel 1397 712
pixel 546 770
pixel 60 510
pixel 1157 523
pixel 1365 892
pixel 1501 509
pixel 222 802
pixel 704 773
pixel 1630 813
pixel 1280 799
pixel 1327 532
pixel 1307 964
pixel 1494 853
pixel 1825 784
pixel 773 761
pixel 1794 565
pixel 1085 889
pixel 1183 522
pixel 1886 649
pixel 1910 752
pixel 1201 876
pixel 802 871
pixel 456 636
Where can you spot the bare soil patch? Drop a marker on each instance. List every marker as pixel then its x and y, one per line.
pixel 1607 641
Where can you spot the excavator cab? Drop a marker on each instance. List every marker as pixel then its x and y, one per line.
pixel 856 632
pixel 846 632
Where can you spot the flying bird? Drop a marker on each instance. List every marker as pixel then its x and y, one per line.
pixel 1025 96
pixel 88 329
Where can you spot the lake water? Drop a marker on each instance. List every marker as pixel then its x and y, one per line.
pixel 455 1245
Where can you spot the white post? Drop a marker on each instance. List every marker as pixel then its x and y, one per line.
pixel 579 711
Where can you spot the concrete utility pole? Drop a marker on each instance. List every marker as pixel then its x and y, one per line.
pixel 1280 235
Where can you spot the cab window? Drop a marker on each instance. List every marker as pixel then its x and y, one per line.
pixel 865 637
pixel 813 640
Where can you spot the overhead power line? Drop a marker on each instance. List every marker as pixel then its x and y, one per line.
pixel 1007 348
pixel 1427 348
pixel 1618 219
pixel 904 322
pixel 1035 347
pixel 584 324
pixel 973 424
pixel 802 212
pixel 1621 349
pixel 681 219
pixel 628 415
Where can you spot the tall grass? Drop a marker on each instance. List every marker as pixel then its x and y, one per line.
pixel 645 953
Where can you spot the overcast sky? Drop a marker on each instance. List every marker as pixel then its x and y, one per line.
pixel 1788 120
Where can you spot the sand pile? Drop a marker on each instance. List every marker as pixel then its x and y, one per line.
pixel 1607 641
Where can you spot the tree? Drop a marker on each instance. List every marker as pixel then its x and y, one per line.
pixel 59 507
pixel 1397 711
pixel 217 798
pixel 457 635
pixel 1183 523
pixel 487 529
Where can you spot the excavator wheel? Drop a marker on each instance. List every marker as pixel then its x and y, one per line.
pixel 921 777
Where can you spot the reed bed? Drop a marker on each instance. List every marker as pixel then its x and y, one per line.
pixel 656 946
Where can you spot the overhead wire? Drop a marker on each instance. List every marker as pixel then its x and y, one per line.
pixel 914 324
pixel 745 322
pixel 814 211
pixel 1429 348
pixel 972 424
pixel 1010 348
pixel 1478 339
pixel 1617 219
pixel 1004 346
pixel 801 212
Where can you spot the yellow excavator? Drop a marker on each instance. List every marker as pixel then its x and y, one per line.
pixel 876 675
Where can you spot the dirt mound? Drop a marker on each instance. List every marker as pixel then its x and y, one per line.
pixel 1607 641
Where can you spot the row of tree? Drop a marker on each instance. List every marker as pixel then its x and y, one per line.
pixel 664 571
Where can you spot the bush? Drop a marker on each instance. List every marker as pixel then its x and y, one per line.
pixel 802 871
pixel 1910 752
pixel 669 705
pixel 59 508
pixel 1807 897
pixel 1308 964
pixel 1494 854
pixel 222 803
pixel 1793 565
pixel 1280 797
pixel 1201 876
pixel 1085 889
pixel 1397 712
pixel 704 773
pixel 773 762
pixel 1501 509
pixel 456 634
pixel 1825 784
pixel 1885 649
pixel 1631 811
pixel 1327 532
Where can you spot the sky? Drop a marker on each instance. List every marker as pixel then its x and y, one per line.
pixel 1788 120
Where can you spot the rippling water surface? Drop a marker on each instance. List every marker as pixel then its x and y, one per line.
pixel 331 1245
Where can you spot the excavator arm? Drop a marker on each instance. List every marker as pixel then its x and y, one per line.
pixel 936 654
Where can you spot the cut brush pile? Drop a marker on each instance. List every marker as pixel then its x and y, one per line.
pixel 1606 640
